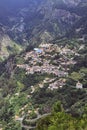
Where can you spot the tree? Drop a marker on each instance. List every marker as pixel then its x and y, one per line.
pixel 57 107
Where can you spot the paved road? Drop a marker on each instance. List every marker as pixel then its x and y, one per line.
pixel 39 117
pixel 31 121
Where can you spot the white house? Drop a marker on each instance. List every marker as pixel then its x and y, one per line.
pixel 79 85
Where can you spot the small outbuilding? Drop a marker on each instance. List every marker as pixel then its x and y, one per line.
pixel 79 85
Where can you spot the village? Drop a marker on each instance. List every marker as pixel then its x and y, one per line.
pixel 50 59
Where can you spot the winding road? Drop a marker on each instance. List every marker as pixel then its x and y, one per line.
pixel 31 121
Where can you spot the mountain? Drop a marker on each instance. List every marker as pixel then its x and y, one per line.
pixel 33 22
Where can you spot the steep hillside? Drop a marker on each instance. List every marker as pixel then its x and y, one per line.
pixel 7 45
pixel 34 80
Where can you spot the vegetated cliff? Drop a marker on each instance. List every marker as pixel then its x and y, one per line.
pixel 7 45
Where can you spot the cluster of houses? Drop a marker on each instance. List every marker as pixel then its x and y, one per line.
pixel 57 84
pixel 45 68
pixel 43 55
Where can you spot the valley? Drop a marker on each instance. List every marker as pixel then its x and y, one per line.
pixel 43 65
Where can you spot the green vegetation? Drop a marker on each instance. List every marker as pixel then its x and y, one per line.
pixel 16 98
pixel 9 47
pixel 60 120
